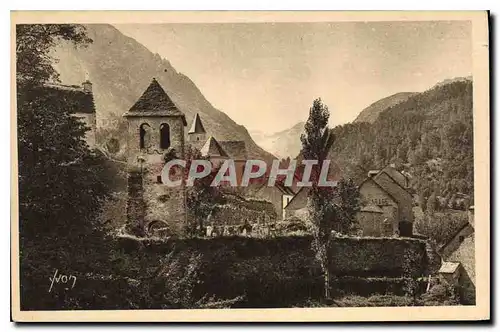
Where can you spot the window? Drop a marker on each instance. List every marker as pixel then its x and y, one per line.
pixel 143 135
pixel 460 239
pixel 164 136
pixel 158 179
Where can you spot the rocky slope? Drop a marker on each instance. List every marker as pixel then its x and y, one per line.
pixel 121 69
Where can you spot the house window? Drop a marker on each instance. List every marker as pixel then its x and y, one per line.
pixel 164 136
pixel 158 179
pixel 143 135
pixel 460 238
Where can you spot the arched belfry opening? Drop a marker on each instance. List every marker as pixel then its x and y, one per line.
pixel 144 135
pixel 164 136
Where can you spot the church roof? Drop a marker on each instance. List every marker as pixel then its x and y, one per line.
pixel 212 148
pixel 197 126
pixel 155 102
pixel 235 149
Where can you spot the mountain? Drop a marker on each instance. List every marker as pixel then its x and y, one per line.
pixel 282 144
pixel 428 134
pixel 121 69
pixel 453 80
pixel 370 114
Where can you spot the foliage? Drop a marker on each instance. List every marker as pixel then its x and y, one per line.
pixel 61 182
pixel 429 134
pixel 323 214
pixel 33 45
pixel 440 294
pixel 441 226
pixel 348 205
pixel 202 198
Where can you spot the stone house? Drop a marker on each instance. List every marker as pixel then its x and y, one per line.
pixel 217 151
pixel 297 206
pixel 80 101
pixel 372 221
pixel 460 252
pixel 388 190
pixel 279 195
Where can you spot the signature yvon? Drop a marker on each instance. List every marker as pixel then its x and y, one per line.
pixel 62 278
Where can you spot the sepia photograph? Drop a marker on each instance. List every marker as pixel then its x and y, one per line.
pixel 179 166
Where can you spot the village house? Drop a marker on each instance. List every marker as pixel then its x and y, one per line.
pixel 385 191
pixel 458 261
pixel 386 204
pixel 279 195
pixel 80 100
pixel 217 151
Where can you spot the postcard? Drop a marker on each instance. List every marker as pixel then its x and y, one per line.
pixel 273 166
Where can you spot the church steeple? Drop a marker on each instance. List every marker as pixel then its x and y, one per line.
pixel 197 126
pixel 197 134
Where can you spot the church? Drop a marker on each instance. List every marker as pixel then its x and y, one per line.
pixel 156 127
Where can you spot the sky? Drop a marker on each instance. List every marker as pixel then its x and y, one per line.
pixel 265 76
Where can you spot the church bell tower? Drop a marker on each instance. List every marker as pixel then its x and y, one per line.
pixel 155 129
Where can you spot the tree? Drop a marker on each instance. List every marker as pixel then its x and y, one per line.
pixel 61 182
pixel 202 198
pixel 34 63
pixel 349 201
pixel 323 214
pixel 432 204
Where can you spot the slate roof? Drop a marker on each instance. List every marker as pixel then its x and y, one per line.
pixel 197 126
pixel 73 96
pixel 449 239
pixel 236 150
pixel 284 189
pixel 298 201
pixel 393 174
pixel 449 267
pixel 465 254
pixel 155 102
pixel 212 148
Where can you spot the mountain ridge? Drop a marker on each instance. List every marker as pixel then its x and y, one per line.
pixel 121 68
pixel 284 143
pixel 371 113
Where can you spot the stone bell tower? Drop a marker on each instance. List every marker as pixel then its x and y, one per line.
pixel 155 128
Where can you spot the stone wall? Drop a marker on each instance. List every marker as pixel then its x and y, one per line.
pixel 162 203
pixel 282 270
pixel 238 211
pixel 404 198
pixel 371 193
pixel 136 209
pixel 372 223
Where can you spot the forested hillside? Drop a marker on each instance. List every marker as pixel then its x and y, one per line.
pixel 429 135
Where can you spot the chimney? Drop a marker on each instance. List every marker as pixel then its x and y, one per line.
pixel 87 86
pixel 372 173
